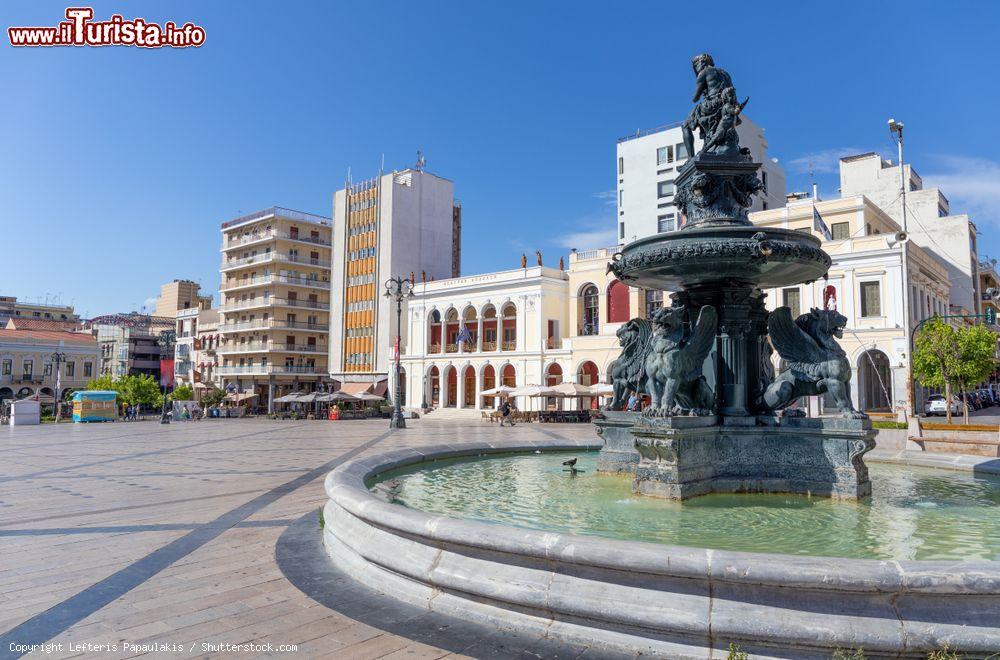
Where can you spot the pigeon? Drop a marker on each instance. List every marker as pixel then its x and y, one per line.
pixel 571 462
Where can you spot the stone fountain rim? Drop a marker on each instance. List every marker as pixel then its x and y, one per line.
pixel 346 487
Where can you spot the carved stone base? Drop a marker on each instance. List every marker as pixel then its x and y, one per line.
pixel 716 190
pixel 618 455
pixel 687 457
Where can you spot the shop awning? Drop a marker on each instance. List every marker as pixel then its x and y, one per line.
pixel 355 389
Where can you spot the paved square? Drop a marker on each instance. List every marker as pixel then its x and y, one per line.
pixel 150 534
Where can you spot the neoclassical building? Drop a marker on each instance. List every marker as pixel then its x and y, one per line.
pixel 528 326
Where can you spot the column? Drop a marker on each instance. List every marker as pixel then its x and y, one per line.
pixel 479 381
pixel 270 395
pixel 460 388
pixel 479 336
pixel 733 365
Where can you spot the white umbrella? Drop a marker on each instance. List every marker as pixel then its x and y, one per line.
pixel 368 396
pixel 534 390
pixel 294 397
pixel 603 389
pixel 336 396
pixel 311 397
pixel 574 389
pixel 503 390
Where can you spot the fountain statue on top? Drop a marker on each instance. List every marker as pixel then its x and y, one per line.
pixel 717 424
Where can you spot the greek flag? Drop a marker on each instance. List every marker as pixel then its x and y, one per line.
pixel 820 226
pixel 463 335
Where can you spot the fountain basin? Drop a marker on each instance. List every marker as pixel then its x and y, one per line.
pixel 629 596
pixel 695 256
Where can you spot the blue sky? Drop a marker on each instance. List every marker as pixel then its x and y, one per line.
pixel 119 163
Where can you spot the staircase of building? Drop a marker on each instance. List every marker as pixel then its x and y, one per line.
pixel 454 413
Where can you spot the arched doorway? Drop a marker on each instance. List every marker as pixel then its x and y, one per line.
pixel 553 376
pixel 489 375
pixel 588 374
pixel 618 304
pixel 434 387
pixel 451 327
pixel 489 316
pixel 6 393
pixel 509 323
pixel 469 387
pixel 24 392
pixel 451 383
pixel 874 381
pixel 434 332
pixel 509 376
pixel 589 303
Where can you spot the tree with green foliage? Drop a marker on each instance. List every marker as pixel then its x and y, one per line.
pixel 949 357
pixel 103 382
pixel 213 398
pixel 141 389
pixel 182 393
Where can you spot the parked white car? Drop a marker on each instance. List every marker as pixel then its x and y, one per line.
pixel 935 405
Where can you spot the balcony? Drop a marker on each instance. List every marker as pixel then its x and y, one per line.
pixel 269 369
pixel 588 330
pixel 509 346
pixel 272 346
pixel 434 348
pixel 489 346
pixel 273 324
pixel 29 378
pixel 273 301
pixel 451 348
pixel 262 236
pixel 272 257
pixel 276 279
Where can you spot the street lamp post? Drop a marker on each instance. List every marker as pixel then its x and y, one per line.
pixel 58 358
pixel 896 129
pixel 398 288
pixel 166 340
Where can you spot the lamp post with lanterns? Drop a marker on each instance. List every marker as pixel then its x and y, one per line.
pixel 57 358
pixel 398 289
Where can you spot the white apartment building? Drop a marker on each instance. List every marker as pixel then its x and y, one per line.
pixel 404 224
pixel 648 163
pixel 950 239
pixel 274 315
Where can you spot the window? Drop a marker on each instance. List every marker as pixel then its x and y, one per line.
pixel 665 155
pixel 763 180
pixel 666 222
pixel 791 298
pixel 654 301
pixel 591 310
pixel 871 299
pixel 665 188
pixel 7 366
pixel 682 152
pixel 840 230
pixel 88 369
pixel 621 165
pixel 28 367
pixel 621 230
pixel 621 198
pixel 70 369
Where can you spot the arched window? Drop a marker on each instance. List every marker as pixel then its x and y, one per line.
pixel 489 376
pixel 509 337
pixel 509 376
pixel 618 311
pixel 590 310
pixel 469 383
pixel 490 328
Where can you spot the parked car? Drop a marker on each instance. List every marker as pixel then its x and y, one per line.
pixel 987 397
pixel 935 405
pixel 972 400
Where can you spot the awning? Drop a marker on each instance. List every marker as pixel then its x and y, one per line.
pixel 381 388
pixel 241 396
pixel 355 389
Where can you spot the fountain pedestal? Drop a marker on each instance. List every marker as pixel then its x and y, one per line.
pixel 684 457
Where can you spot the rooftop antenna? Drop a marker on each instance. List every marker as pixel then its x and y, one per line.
pixel 421 161
pixel 381 165
pixel 812 179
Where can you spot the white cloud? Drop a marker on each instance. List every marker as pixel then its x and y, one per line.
pixel 826 161
pixel 972 185
pixel 610 197
pixel 149 303
pixel 588 239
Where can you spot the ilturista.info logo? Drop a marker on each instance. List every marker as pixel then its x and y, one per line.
pixel 81 30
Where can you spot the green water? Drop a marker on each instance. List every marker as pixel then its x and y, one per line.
pixel 914 513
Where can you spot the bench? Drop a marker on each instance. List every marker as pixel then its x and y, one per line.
pixel 975 447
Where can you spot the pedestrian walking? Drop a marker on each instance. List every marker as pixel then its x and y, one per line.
pixel 505 411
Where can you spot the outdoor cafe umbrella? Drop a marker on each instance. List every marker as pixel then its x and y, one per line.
pixel 368 396
pixel 534 390
pixel 290 398
pixel 336 396
pixel 574 389
pixel 503 390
